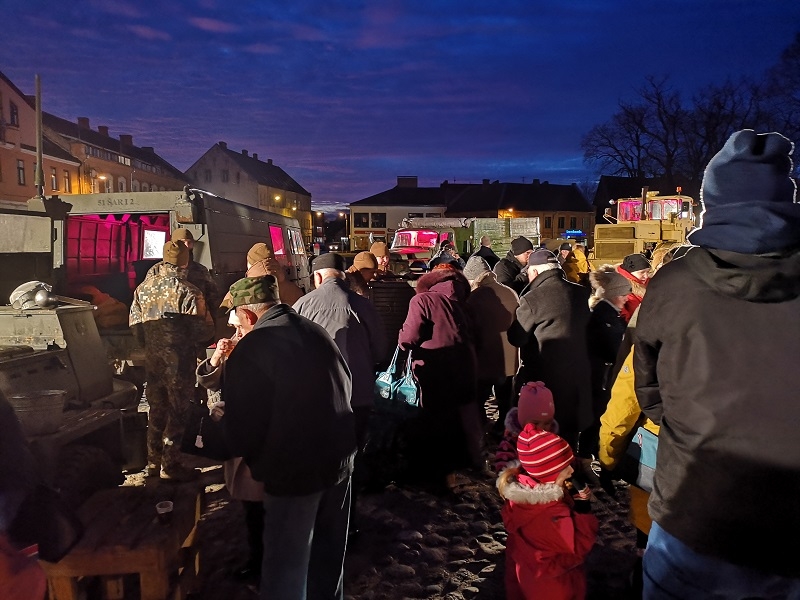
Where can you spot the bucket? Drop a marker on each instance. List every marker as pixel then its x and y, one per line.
pixel 40 412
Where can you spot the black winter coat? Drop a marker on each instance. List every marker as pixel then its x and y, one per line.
pixel 550 330
pixel 715 359
pixel 287 405
pixel 510 272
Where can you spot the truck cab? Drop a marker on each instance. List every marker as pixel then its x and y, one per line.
pixel 641 223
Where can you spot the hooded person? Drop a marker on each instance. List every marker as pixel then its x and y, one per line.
pixel 381 253
pixel 438 331
pixel 492 306
pixel 364 269
pixel 261 261
pixel 548 540
pixel 636 269
pixel 721 507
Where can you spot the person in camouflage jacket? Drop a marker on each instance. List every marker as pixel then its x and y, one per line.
pixel 169 317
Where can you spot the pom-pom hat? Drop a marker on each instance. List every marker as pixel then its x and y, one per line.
pixel 543 454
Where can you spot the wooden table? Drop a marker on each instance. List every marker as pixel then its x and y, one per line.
pixel 124 536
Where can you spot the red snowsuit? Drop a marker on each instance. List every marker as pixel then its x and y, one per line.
pixel 547 540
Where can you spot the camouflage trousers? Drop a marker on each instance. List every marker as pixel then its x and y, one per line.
pixel 170 388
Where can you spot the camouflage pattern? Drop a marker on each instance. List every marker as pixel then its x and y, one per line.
pixel 169 317
pixel 254 290
pixel 199 276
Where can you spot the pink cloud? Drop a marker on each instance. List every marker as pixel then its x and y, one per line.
pixel 148 33
pixel 213 25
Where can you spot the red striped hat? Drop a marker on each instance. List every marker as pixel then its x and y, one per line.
pixel 543 454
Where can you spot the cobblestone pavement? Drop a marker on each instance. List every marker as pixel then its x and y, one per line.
pixel 415 542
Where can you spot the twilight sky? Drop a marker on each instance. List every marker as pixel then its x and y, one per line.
pixel 346 95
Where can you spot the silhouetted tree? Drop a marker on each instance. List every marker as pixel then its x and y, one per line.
pixel 658 136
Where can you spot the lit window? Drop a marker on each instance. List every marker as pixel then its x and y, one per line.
pixel 154 241
pixel 278 244
pixel 53 178
pixel 360 219
pixel 67 182
pixel 21 172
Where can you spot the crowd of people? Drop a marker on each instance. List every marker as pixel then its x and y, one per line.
pixel 695 344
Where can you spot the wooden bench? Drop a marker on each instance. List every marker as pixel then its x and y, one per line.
pixel 123 536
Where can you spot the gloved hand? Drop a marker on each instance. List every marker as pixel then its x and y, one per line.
pixel 607 482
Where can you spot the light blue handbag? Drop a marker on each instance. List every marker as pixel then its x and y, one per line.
pixel 395 385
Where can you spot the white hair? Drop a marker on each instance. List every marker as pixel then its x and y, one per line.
pixel 542 268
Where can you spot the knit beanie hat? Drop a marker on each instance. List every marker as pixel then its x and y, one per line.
pixel 520 245
pixel 176 254
pixel 543 454
pixel 329 260
pixel 257 253
pixel 635 262
pixel 182 234
pixel 365 260
pixel 565 246
pixel 749 200
pixel 379 249
pixel 608 284
pixel 476 265
pixel 535 403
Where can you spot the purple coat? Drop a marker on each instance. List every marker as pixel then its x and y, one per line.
pixel 439 332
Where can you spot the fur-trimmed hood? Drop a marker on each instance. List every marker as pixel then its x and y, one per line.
pixel 515 486
pixel 449 282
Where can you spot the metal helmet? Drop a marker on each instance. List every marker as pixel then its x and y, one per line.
pixel 23 297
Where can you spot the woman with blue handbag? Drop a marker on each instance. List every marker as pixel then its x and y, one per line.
pixel 439 334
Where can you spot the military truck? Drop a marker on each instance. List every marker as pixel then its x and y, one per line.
pixel 102 245
pixel 82 423
pixel 642 223
pixel 420 238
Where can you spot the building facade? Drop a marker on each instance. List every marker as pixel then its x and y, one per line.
pixel 60 169
pixel 244 178
pixel 377 217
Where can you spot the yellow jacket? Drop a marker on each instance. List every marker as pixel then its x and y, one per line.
pixel 622 416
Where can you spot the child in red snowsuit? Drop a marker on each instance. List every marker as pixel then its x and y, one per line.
pixel 547 539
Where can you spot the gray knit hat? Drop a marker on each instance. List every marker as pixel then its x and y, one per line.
pixel 476 265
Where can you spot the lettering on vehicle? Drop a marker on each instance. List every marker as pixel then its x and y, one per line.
pixel 116 202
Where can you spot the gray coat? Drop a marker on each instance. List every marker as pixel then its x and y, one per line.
pixel 355 325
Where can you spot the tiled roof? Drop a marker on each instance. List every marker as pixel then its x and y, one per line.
pixel 405 196
pixel 95 138
pixel 532 197
pixel 265 173
pixel 50 148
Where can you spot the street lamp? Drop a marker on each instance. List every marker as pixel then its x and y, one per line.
pixel 346 238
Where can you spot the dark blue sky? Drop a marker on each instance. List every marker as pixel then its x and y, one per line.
pixel 347 95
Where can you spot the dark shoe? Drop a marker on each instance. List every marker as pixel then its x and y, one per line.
pixel 152 470
pixel 179 474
